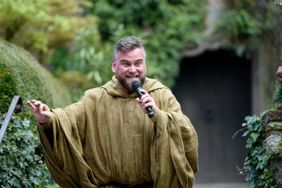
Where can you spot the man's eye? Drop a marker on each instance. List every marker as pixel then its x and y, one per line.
pixel 138 63
pixel 126 64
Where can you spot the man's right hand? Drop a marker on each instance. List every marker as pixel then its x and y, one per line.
pixel 40 111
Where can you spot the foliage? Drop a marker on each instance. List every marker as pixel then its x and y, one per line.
pixel 164 26
pixel 257 161
pixel 250 23
pixel 241 25
pixel 42 25
pixel 277 96
pixel 20 154
pixel 264 145
pixel 21 157
pixel 86 65
pixel 20 74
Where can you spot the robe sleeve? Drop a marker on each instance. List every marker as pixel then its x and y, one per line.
pixel 63 139
pixel 174 152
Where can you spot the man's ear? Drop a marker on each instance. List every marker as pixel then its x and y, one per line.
pixel 113 66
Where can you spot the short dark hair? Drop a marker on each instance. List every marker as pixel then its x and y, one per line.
pixel 128 43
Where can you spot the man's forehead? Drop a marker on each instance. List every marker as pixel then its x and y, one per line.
pixel 131 58
pixel 135 54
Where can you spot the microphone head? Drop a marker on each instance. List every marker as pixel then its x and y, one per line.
pixel 135 85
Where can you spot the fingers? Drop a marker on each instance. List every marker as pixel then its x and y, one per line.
pixel 40 111
pixel 147 100
pixel 37 106
pixel 30 104
pixel 33 105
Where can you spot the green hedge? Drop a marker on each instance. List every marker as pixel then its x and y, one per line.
pixel 21 156
pixel 21 74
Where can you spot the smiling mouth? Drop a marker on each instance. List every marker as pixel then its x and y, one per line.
pixel 132 77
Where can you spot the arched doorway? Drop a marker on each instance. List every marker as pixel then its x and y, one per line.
pixel 214 90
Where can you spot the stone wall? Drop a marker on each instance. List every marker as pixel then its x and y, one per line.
pixel 273 127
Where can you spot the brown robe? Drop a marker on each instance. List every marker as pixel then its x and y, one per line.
pixel 106 138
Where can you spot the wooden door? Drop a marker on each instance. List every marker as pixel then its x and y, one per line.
pixel 214 90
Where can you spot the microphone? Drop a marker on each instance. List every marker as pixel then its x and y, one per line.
pixel 136 87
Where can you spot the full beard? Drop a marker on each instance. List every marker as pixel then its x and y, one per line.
pixel 126 83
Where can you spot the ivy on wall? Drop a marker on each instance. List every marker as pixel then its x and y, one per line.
pixel 257 161
pixel 249 24
pixel 264 144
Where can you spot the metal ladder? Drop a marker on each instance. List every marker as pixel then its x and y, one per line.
pixel 15 106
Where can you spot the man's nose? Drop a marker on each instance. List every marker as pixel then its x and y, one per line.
pixel 132 68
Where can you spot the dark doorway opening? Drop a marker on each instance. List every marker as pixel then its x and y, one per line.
pixel 214 90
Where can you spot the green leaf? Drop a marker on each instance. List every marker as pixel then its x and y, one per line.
pixel 254 136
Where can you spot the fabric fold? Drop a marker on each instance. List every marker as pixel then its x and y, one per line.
pixel 106 139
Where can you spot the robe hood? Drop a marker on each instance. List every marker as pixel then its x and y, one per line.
pixel 114 89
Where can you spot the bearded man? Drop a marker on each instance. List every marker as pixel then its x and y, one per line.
pixel 108 140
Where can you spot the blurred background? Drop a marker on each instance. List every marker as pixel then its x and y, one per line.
pixel 219 57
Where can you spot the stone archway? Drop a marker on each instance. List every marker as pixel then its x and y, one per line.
pixel 214 90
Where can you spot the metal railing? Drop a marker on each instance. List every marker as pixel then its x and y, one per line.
pixel 15 106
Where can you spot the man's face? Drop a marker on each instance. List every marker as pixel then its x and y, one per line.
pixel 129 66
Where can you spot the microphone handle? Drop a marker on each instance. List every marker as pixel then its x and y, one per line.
pixel 150 112
pixel 149 109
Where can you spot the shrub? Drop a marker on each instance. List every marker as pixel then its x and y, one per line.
pixel 21 157
pixel 20 74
